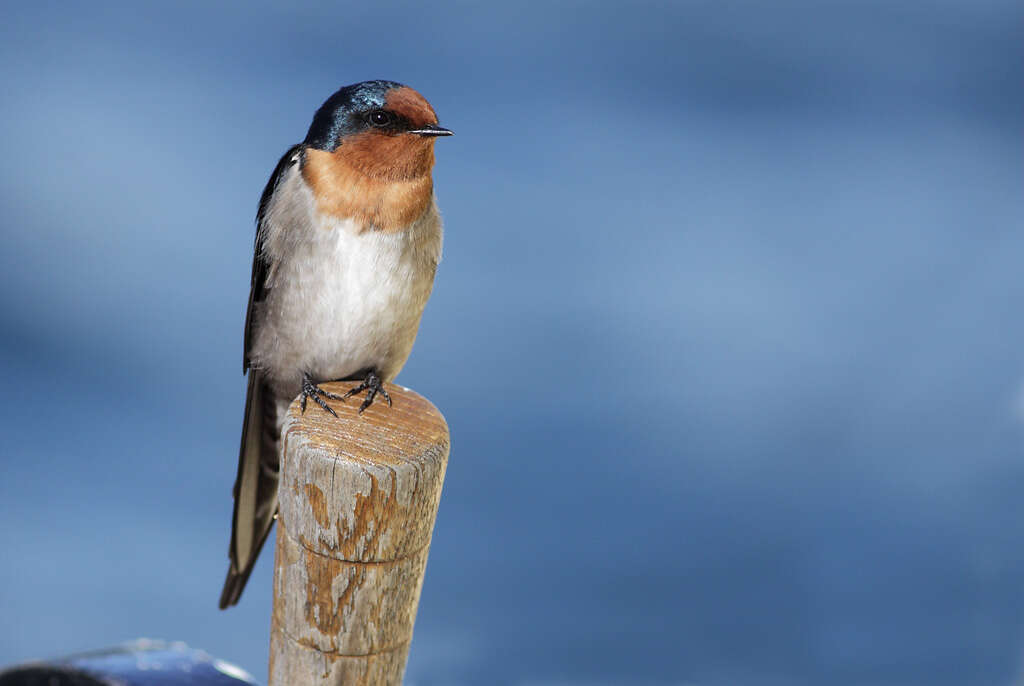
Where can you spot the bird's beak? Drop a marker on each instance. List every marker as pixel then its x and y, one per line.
pixel 433 130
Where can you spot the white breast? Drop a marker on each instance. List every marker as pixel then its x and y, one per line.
pixel 339 301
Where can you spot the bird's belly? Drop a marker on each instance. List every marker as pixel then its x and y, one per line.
pixel 343 303
pixel 362 321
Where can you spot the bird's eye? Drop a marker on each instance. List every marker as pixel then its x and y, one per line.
pixel 380 118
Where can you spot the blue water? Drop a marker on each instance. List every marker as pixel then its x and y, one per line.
pixel 728 332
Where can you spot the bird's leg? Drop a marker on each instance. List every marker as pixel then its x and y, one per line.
pixel 312 390
pixel 372 385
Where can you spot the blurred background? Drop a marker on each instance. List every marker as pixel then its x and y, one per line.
pixel 728 331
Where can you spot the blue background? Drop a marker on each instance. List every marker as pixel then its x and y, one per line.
pixel 728 332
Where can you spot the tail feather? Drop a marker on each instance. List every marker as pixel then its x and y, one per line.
pixel 255 487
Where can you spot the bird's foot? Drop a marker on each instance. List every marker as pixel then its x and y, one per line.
pixel 372 385
pixel 312 390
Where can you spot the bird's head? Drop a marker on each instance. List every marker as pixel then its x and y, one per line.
pixel 382 129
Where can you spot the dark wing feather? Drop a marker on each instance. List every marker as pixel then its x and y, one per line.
pixel 257 291
pixel 256 483
pixel 255 487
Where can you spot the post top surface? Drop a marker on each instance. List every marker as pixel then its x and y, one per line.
pixel 381 434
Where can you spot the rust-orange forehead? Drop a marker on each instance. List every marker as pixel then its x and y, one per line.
pixel 411 105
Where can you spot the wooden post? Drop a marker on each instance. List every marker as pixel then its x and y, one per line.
pixel 358 498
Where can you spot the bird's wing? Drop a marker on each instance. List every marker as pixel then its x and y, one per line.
pixel 260 262
pixel 256 483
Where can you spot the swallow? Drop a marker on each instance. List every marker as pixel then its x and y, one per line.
pixel 348 239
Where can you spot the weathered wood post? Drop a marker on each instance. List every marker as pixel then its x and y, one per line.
pixel 358 498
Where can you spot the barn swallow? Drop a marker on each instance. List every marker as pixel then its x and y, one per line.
pixel 348 238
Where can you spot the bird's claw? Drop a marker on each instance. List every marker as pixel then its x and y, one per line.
pixel 312 390
pixel 372 385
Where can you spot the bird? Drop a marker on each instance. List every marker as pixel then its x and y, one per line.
pixel 348 240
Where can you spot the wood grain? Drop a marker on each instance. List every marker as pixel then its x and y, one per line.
pixel 358 498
